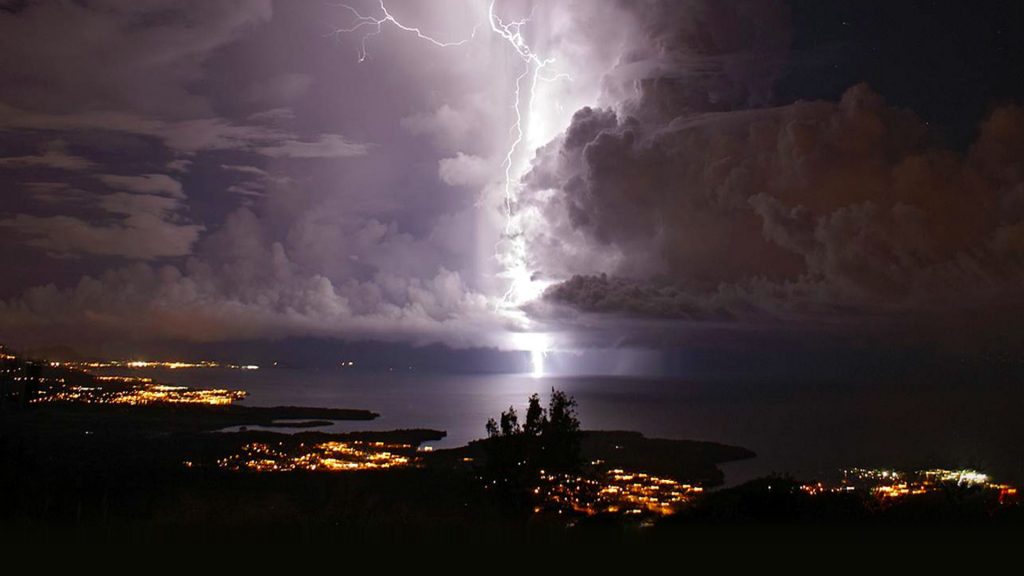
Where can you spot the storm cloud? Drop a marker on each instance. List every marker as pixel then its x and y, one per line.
pixel 692 198
pixel 179 170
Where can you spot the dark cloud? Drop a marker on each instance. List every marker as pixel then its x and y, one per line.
pixel 326 146
pixel 816 205
pixel 179 165
pixel 145 222
pixel 186 136
pixel 55 156
pixel 64 56
pixel 160 184
pixel 600 293
pixel 691 199
pixel 700 56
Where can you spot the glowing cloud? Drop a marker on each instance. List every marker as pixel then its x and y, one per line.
pixel 511 251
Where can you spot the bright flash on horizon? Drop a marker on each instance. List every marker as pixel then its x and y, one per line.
pixel 538 345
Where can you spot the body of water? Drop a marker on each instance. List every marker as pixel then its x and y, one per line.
pixel 801 429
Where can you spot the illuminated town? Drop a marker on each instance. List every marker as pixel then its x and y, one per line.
pixel 139 364
pixel 616 491
pixel 37 382
pixel 613 491
pixel 139 393
pixel 621 492
pixel 890 485
pixel 323 456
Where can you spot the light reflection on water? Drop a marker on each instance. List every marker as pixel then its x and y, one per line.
pixel 805 430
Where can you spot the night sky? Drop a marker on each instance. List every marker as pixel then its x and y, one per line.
pixel 718 176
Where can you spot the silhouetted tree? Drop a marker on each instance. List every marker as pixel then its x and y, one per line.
pixel 510 422
pixel 536 420
pixel 562 413
pixel 549 440
pixel 560 434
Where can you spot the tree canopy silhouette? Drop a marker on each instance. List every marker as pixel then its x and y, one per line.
pixel 549 439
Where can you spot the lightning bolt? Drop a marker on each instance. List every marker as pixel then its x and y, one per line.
pixel 514 257
pixel 376 26
pixel 522 286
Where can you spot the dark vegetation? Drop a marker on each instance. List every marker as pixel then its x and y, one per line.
pixel 550 438
pixel 683 460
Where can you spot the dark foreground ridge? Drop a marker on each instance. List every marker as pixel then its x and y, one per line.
pixel 681 460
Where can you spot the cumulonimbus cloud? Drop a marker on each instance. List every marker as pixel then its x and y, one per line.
pixel 812 206
pixel 691 199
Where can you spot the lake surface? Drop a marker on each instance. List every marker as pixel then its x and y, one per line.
pixel 801 429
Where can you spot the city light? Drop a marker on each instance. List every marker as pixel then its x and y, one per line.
pixel 139 393
pixel 612 492
pixel 139 364
pixel 123 379
pixel 889 485
pixel 324 456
